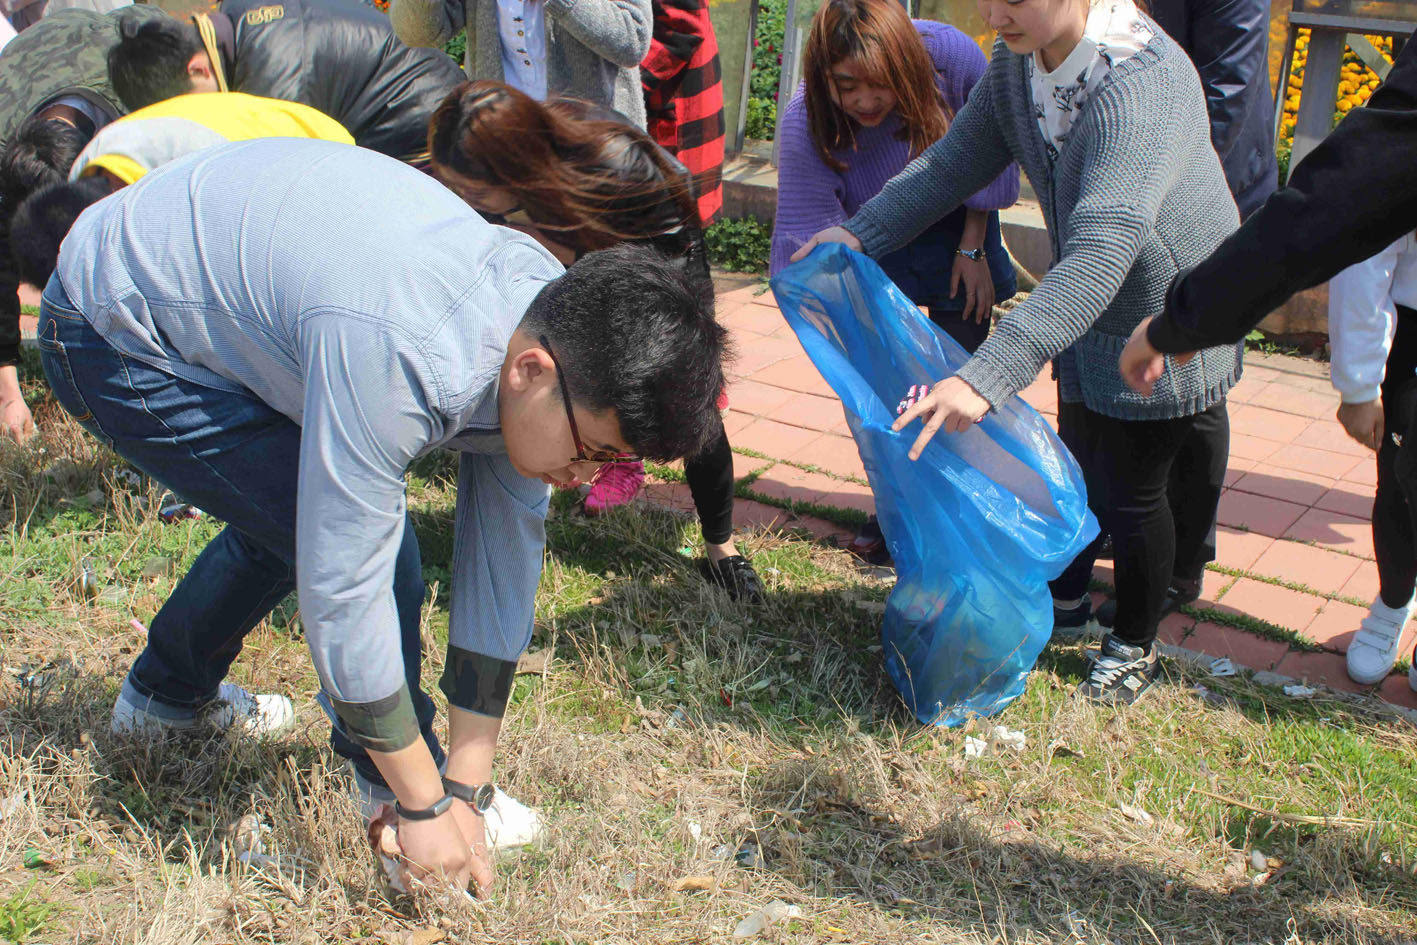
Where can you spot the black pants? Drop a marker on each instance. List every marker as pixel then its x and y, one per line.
pixel 1396 496
pixel 1197 479
pixel 1127 465
pixel 710 476
pixel 970 334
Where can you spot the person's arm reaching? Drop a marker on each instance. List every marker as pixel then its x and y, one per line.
pixel 810 194
pixel 1354 194
pixel 1123 183
pixel 961 65
pixel 364 419
pixel 615 30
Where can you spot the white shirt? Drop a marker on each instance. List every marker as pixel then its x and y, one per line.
pixel 521 24
pixel 1114 32
pixel 1362 318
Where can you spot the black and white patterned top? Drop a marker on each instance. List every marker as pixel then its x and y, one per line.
pixel 1115 30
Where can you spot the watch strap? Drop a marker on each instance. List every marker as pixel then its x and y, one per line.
pixel 479 796
pixel 438 809
pixel 974 254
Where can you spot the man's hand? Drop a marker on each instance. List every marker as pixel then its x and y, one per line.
pixel 1142 365
pixel 474 829
pixel 1363 422
pixel 832 234
pixel 952 404
pixel 437 851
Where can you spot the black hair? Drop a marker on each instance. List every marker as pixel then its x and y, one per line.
pixel 40 224
pixel 40 153
pixel 635 333
pixel 149 62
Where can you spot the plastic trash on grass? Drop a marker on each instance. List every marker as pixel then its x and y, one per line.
pixel 977 526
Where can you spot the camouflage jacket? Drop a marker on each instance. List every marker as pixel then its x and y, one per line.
pixel 65 53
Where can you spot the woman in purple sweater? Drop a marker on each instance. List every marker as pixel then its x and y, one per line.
pixel 878 88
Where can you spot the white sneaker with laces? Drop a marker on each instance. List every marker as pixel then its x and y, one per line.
pixel 1375 645
pixel 254 715
pixel 509 822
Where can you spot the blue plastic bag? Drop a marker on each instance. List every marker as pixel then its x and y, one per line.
pixel 977 526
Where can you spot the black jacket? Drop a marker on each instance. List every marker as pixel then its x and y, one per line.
pixel 342 58
pixel 1228 40
pixel 1354 194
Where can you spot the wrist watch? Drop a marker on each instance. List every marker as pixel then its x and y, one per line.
pixel 479 796
pixel 974 254
pixel 438 809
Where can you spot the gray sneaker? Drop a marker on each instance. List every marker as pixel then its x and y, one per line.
pixel 255 715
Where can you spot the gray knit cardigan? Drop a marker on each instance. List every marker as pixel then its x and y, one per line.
pixel 1136 195
pixel 593 47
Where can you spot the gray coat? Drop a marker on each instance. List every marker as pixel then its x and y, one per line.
pixel 1136 195
pixel 593 47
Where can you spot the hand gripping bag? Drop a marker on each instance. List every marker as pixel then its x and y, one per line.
pixel 977 526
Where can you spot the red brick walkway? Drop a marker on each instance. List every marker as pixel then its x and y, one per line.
pixel 1295 546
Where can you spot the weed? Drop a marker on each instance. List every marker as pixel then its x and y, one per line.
pixel 23 915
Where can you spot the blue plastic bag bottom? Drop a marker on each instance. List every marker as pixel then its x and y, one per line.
pixel 977 526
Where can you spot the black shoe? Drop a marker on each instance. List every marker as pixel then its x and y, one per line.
pixel 1121 674
pixel 1075 623
pixel 1104 550
pixel 735 575
pixel 1178 595
pixel 870 544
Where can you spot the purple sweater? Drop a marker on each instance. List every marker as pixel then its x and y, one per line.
pixel 811 196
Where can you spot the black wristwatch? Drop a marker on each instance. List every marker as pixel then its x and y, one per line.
pixel 974 254
pixel 438 809
pixel 479 796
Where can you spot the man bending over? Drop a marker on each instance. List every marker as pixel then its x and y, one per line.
pixel 275 330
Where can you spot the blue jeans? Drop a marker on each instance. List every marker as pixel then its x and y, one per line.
pixel 234 457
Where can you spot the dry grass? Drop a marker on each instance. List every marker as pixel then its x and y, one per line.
pixel 672 730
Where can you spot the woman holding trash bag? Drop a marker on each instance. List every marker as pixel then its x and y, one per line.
pixel 879 88
pixel 578 177
pixel 1106 116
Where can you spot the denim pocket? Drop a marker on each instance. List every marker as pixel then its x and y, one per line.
pixel 54 358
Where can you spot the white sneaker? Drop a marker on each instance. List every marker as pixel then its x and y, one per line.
pixel 234 707
pixel 1375 645
pixel 510 823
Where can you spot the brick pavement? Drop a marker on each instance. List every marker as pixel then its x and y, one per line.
pixel 1295 547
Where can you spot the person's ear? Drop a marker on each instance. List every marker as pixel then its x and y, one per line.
pixel 199 68
pixel 528 367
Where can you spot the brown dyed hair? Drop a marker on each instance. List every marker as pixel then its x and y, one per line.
pixel 576 171
pixel 879 36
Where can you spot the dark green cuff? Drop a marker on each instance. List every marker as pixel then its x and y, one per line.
pixel 387 724
pixel 477 683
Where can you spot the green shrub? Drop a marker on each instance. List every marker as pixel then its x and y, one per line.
pixel 457 46
pixel 739 245
pixel 767 69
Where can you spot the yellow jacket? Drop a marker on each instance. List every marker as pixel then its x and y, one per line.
pixel 150 137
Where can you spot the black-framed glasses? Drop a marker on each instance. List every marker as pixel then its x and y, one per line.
pixel 582 455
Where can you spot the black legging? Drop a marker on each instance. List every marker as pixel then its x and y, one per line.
pixel 710 476
pixel 1396 495
pixel 1127 467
